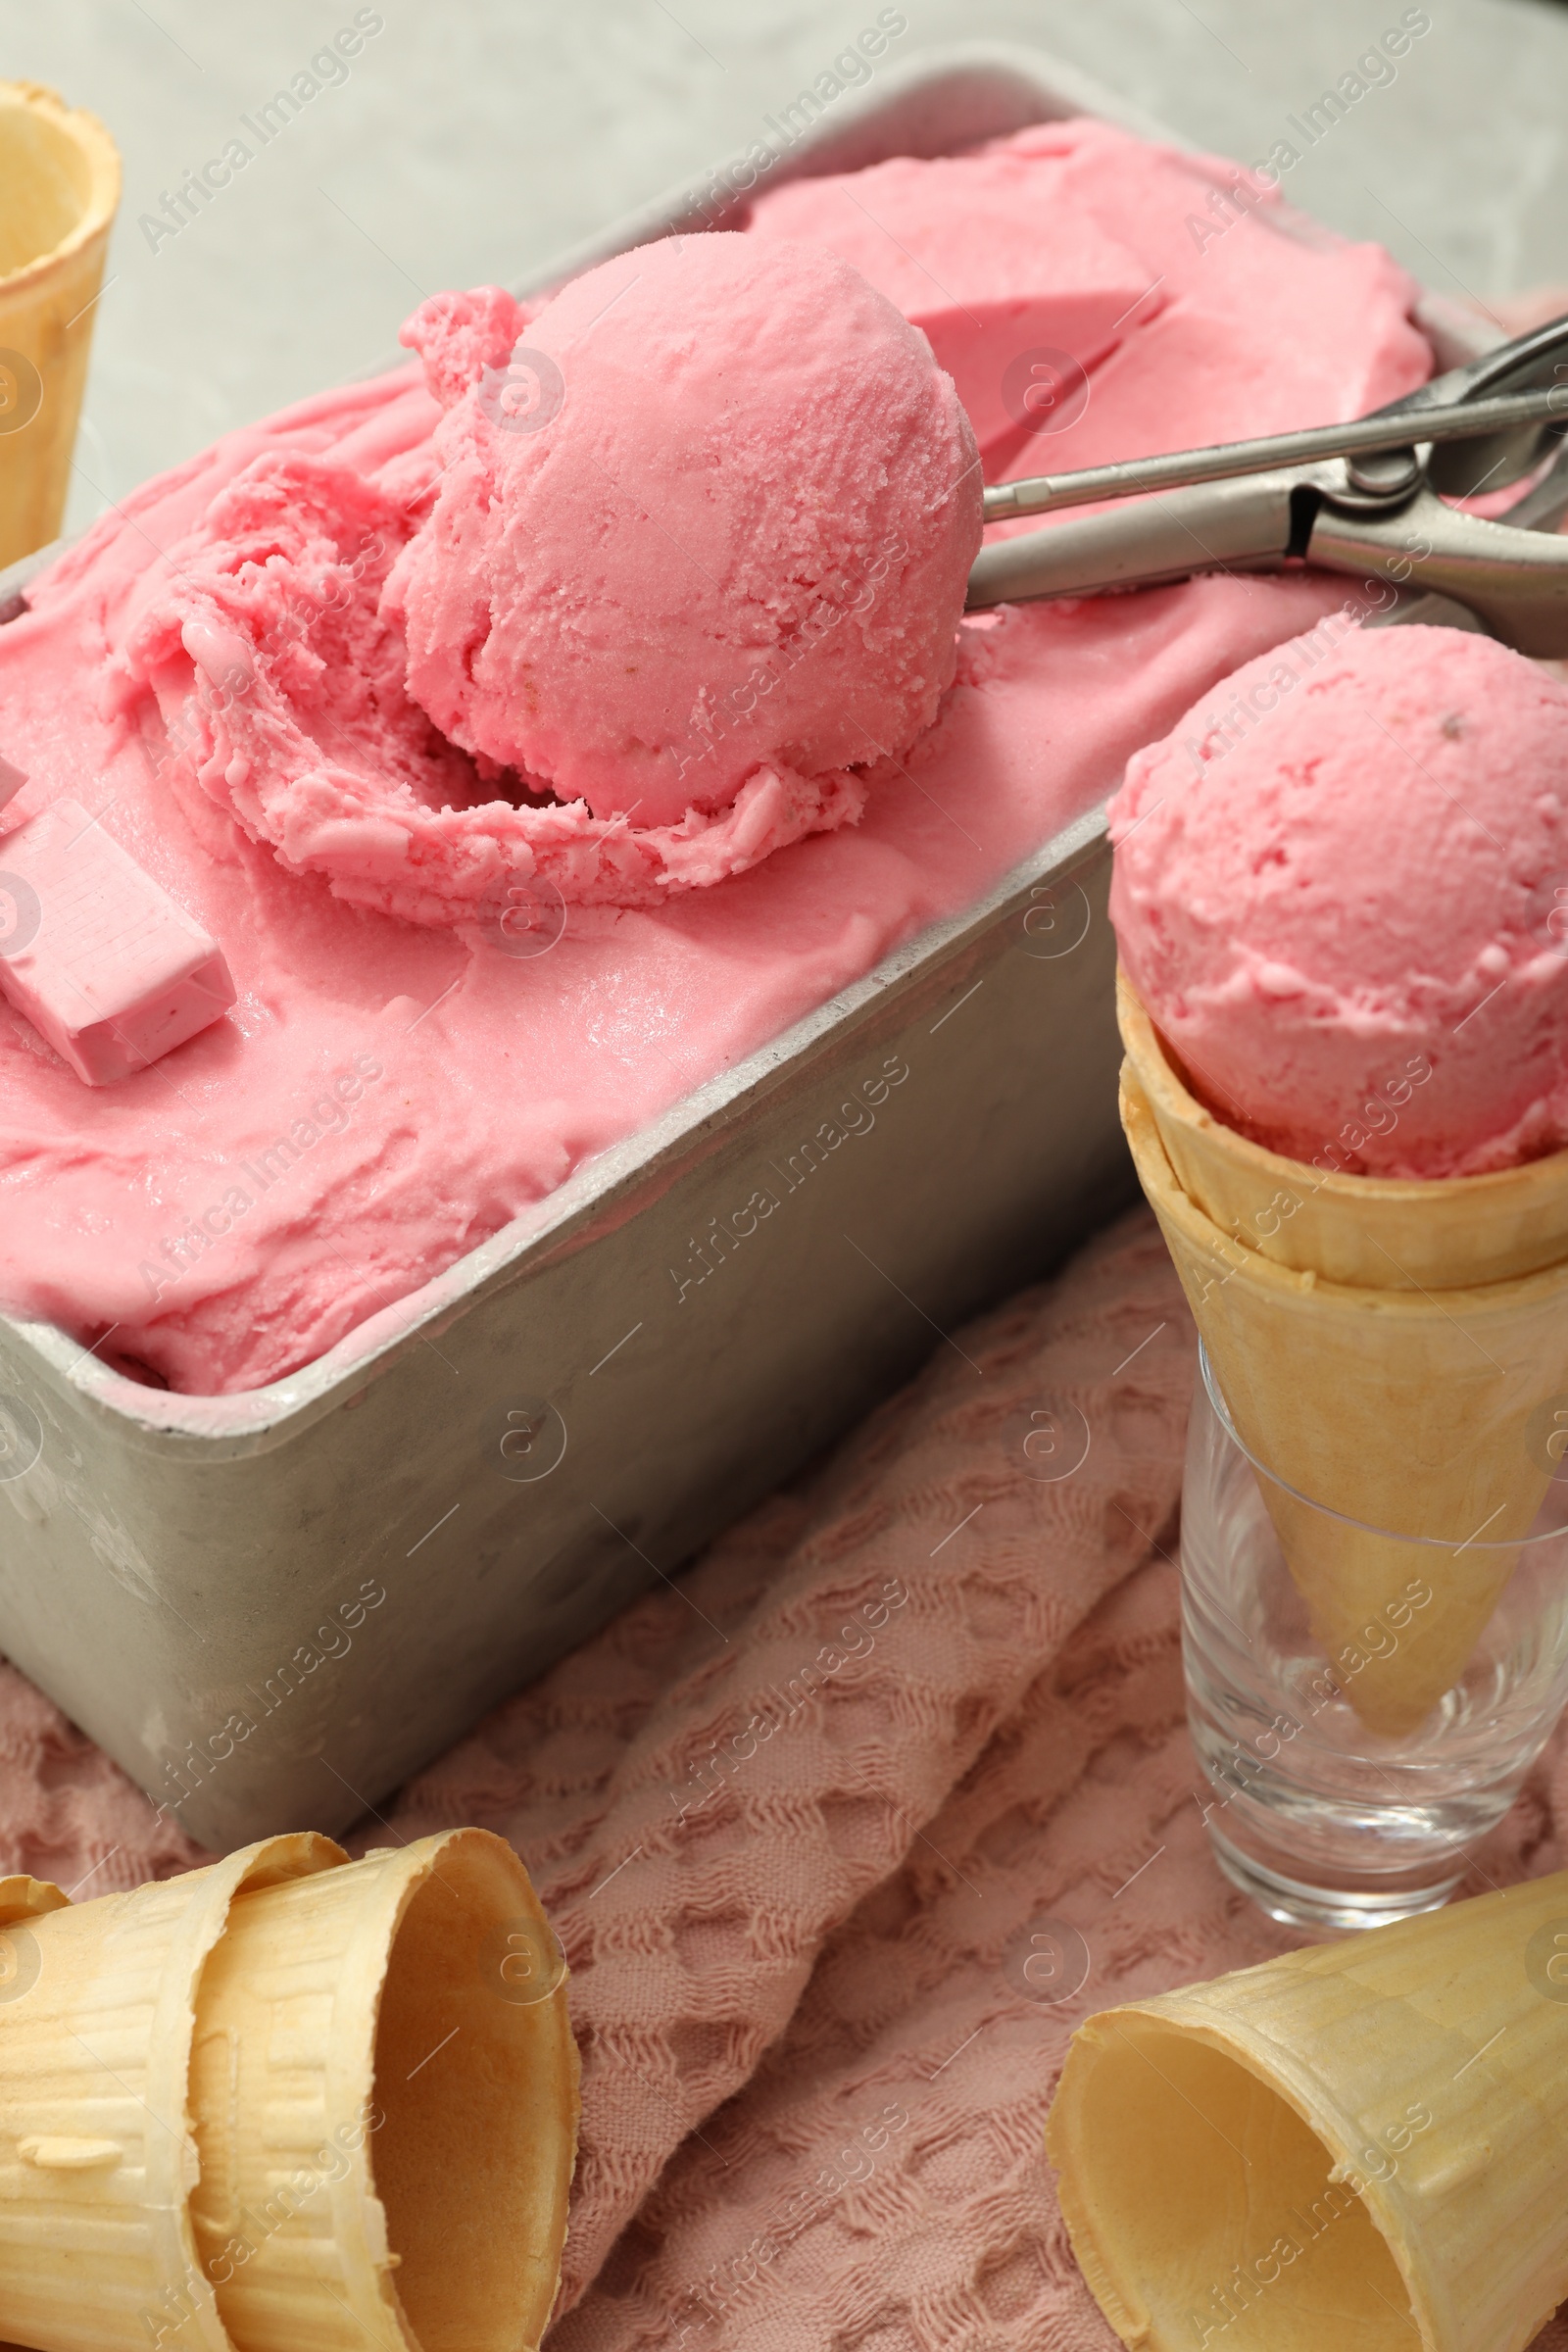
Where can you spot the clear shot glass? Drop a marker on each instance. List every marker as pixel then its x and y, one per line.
pixel 1324 1821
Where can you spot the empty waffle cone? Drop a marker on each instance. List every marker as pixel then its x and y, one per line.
pixel 1411 1405
pixel 288 2101
pixel 1363 2147
pixel 385 2103
pixel 97 2018
pixel 59 187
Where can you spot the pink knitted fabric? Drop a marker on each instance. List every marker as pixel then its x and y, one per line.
pixel 797 1823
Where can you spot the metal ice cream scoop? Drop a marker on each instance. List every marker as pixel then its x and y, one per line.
pixel 1362 498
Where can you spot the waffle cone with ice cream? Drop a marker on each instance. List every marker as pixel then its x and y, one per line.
pixel 1361 2144
pixel 1434 1315
pixel 1384 1311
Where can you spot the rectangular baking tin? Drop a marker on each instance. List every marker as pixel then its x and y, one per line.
pixel 271 1608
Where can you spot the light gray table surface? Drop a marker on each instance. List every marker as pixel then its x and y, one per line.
pixel 477 140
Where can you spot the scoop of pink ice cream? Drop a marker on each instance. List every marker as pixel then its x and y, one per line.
pixel 1341 891
pixel 714 518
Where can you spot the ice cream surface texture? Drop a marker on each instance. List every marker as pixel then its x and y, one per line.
pixel 712 561
pixel 955 243
pixel 1094 298
pixel 726 538
pixel 1342 892
pixel 219 673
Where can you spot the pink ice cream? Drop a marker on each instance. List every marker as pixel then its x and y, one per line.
pixel 219 676
pixel 1096 298
pixel 695 558
pixel 985 259
pixel 723 543
pixel 1341 892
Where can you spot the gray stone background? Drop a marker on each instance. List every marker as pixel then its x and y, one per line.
pixel 478 139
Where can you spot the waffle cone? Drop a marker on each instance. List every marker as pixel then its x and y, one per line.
pixel 59 187
pixel 386 2094
pixel 23 1898
pixel 1379 1232
pixel 1364 2144
pixel 1420 1404
pixel 286 2101
pixel 98 2155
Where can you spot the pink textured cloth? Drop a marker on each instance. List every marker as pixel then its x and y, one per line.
pixel 797 1822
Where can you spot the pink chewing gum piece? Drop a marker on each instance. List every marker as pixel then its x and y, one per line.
pixel 96 954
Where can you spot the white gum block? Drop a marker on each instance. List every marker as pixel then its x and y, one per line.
pixel 96 955
pixel 1358 2148
pixel 97 2155
pixel 385 2093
